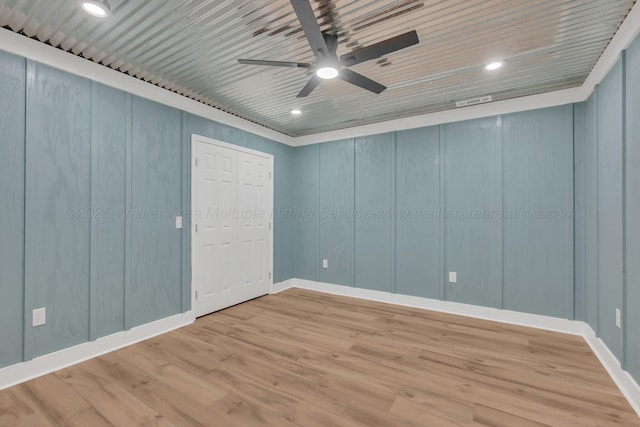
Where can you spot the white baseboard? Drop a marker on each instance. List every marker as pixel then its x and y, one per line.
pixel 505 316
pixel 21 372
pixel 282 286
pixel 627 385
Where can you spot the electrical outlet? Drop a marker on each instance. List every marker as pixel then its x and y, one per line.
pixel 39 316
pixel 325 263
pixel 618 318
pixel 453 277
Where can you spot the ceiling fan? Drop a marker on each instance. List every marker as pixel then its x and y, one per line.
pixel 328 65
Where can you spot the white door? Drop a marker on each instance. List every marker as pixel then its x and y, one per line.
pixel 232 199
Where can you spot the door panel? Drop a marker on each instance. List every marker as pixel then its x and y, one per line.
pixel 255 212
pixel 232 239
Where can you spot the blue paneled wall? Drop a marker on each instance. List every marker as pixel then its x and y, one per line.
pixel 608 203
pixel 336 191
pixel 472 180
pixel 631 290
pixel 58 195
pixel 417 235
pixel 109 114
pixel 154 288
pixel 12 131
pixel 609 133
pixel 374 201
pixel 491 199
pixel 537 188
pixel 89 196
pixel 305 217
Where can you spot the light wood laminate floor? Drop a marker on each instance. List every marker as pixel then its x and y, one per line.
pixel 302 358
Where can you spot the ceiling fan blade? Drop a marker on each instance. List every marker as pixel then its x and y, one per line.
pixel 380 49
pixel 274 63
pixel 310 26
pixel 309 87
pixel 359 80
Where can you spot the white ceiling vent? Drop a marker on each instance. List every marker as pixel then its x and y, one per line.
pixel 474 101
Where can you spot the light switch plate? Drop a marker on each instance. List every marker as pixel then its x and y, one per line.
pixel 178 222
pixel 39 316
pixel 453 277
pixel 325 263
pixel 618 318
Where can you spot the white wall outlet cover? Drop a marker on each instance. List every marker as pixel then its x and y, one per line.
pixel 325 263
pixel 39 316
pixel 618 318
pixel 178 222
pixel 453 277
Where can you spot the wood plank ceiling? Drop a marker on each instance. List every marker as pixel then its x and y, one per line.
pixel 191 47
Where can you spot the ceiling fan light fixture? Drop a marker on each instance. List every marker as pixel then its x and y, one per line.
pixel 327 72
pixel 97 8
pixel 494 65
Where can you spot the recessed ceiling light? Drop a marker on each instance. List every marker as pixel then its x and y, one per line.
pixel 296 112
pixel 327 72
pixel 96 8
pixel 494 65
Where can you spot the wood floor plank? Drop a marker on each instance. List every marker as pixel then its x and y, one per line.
pixel 111 400
pixel 56 403
pixel 302 358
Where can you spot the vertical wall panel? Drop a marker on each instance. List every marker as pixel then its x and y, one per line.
pixel 336 211
pixel 12 127
pixel 128 246
pixel 108 174
pixel 538 211
pixel 155 288
pixel 579 199
pixel 283 204
pixel 186 213
pixel 591 212
pixel 631 322
pixel 374 163
pixel 610 238
pixel 473 241
pixel 57 208
pixel 417 204
pixel 305 215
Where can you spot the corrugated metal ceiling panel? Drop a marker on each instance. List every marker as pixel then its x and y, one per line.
pixel 191 47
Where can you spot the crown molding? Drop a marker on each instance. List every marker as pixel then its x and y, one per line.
pixel 525 103
pixel 626 34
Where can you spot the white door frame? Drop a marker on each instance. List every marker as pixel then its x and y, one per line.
pixel 194 141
